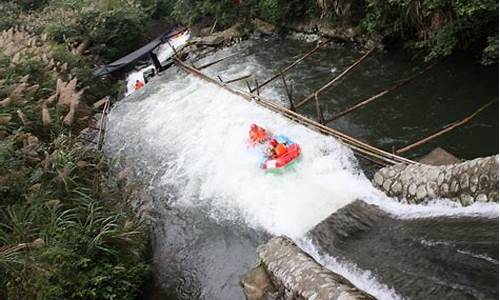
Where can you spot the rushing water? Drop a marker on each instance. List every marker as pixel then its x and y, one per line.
pixel 185 139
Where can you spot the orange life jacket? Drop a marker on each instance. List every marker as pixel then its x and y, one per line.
pixel 280 149
pixel 258 135
pixel 138 85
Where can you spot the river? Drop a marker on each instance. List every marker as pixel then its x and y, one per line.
pixel 185 140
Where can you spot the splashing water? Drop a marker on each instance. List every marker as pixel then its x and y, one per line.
pixel 187 139
pixel 206 130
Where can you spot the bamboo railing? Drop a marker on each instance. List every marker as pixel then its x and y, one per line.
pixel 368 151
pixel 289 67
pixel 379 95
pixel 337 78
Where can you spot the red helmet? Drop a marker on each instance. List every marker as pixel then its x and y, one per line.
pixel 273 142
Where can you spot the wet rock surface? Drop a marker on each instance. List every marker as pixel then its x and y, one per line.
pixel 468 182
pixel 423 258
pixel 296 275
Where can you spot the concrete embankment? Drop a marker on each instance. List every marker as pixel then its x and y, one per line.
pixel 468 182
pixel 287 272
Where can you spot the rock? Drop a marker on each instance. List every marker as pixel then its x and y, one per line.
pixel 466 200
pixel 421 192
pixel 438 157
pixel 264 27
pixel 481 198
pixel 378 179
pixel 257 285
pixel 412 189
pixel 396 187
pixel 387 185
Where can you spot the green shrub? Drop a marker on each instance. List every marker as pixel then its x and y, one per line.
pixel 439 26
pixel 90 250
pixel 282 11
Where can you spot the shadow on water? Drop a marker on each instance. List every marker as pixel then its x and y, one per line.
pixel 193 257
pixel 196 258
pixel 425 258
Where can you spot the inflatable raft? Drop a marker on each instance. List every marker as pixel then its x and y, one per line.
pixel 284 161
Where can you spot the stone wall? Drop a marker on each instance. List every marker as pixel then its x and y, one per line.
pixel 468 182
pixel 295 275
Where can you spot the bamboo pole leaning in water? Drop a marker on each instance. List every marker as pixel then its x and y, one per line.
pixel 296 62
pixel 444 130
pixel 380 94
pixel 319 112
pixel 238 79
pixel 215 61
pixel 356 145
pixel 337 78
pixel 288 92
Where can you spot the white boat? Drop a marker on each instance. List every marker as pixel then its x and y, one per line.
pixel 163 52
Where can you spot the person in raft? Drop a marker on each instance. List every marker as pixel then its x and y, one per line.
pixel 138 85
pixel 258 134
pixel 275 149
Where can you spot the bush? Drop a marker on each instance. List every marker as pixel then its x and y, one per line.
pixel 79 245
pixel 282 11
pixel 440 26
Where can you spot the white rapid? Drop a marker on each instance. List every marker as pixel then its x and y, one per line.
pixel 187 139
pixel 204 131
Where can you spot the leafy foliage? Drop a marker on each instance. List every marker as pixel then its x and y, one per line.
pixel 438 26
pixel 89 250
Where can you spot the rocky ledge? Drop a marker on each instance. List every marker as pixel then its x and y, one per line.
pixel 467 182
pixel 287 272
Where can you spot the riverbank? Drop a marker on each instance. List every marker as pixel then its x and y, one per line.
pixel 66 228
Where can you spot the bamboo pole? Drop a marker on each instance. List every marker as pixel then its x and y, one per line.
pixel 445 130
pixel 319 112
pixel 215 61
pixel 213 26
pixel 173 49
pixel 380 94
pixel 337 78
pixel 296 62
pixel 248 86
pixel 239 78
pixel 288 92
pixel 354 144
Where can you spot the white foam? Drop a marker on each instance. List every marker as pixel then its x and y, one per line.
pixel 434 208
pixel 206 130
pixel 362 279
